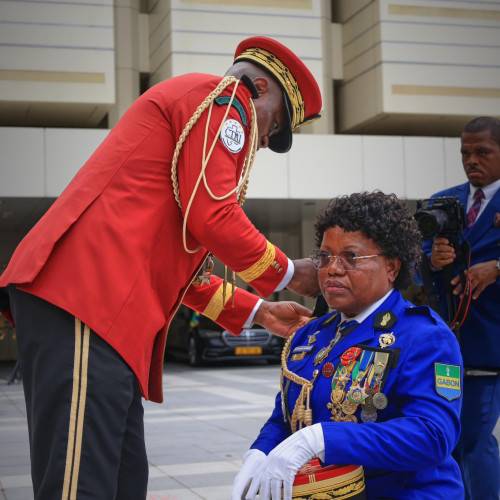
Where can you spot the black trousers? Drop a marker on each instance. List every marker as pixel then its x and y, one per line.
pixel 84 408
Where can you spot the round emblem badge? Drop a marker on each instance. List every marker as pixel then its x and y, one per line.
pixel 379 400
pixel 386 340
pixel 232 135
pixel 327 370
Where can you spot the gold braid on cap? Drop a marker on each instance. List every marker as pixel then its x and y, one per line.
pixel 283 75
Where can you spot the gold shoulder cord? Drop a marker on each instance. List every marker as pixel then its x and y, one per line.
pixel 301 412
pixel 241 188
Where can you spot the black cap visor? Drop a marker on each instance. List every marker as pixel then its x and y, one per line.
pixel 282 142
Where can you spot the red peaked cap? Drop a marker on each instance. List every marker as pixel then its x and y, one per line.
pixel 300 89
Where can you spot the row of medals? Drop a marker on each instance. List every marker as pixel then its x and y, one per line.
pixel 344 405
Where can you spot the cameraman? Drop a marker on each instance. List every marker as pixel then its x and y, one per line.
pixel 478 452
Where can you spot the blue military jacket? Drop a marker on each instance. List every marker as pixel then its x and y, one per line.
pixel 406 452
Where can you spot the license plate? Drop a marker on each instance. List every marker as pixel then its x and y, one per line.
pixel 247 351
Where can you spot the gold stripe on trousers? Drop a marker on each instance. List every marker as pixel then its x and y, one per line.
pixel 77 412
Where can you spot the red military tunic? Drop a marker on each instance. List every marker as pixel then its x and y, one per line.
pixel 110 252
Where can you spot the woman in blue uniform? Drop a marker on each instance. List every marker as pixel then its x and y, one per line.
pixel 377 382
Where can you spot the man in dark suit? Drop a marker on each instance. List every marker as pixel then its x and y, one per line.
pixel 478 452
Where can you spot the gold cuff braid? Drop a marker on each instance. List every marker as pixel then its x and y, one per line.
pixel 260 266
pixel 216 304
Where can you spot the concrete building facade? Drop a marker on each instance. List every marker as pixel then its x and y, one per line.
pixel 399 79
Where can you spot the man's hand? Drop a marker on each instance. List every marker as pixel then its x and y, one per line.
pixel 442 253
pixel 282 318
pixel 305 279
pixel 481 275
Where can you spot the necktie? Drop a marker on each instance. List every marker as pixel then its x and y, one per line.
pixel 474 209
pixel 346 327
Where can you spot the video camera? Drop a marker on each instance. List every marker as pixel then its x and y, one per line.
pixel 441 216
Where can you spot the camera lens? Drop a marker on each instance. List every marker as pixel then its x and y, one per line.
pixel 428 225
pixel 432 222
pixel 440 216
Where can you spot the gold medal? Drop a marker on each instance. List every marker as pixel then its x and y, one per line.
pixel 337 395
pixel 349 407
pixel 350 418
pixel 336 413
pixel 334 407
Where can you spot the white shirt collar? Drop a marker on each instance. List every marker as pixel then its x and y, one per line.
pixel 364 314
pixel 489 190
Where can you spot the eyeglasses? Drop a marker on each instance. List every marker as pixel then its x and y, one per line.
pixel 347 260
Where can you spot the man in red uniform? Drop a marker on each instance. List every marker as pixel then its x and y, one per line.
pixel 93 286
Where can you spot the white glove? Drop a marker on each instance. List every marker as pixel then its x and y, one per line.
pixel 281 465
pixel 252 462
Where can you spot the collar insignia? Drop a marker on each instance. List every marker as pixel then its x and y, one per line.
pixel 384 320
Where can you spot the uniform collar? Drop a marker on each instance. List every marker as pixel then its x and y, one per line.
pixel 364 314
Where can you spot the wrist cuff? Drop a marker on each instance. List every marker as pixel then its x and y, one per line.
pixel 316 440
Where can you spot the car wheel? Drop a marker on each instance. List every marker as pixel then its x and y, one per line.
pixel 194 352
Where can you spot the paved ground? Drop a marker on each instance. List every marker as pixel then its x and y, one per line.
pixel 195 439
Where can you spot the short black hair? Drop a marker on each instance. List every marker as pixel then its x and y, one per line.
pixel 381 217
pixel 483 124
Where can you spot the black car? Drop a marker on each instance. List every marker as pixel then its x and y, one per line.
pixel 197 339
